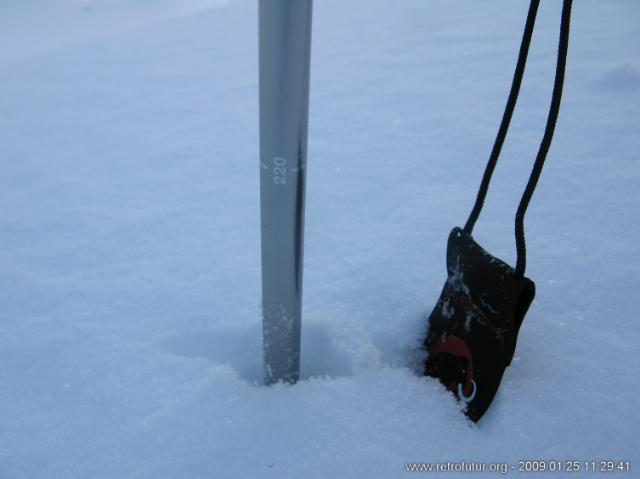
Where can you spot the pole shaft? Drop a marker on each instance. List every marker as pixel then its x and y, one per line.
pixel 285 42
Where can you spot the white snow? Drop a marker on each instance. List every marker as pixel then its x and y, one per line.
pixel 129 227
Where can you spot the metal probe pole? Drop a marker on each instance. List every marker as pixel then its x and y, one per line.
pixel 285 47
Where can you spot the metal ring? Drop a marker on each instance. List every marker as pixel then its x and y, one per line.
pixel 470 397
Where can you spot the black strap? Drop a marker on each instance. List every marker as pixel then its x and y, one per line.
pixel 506 119
pixel 554 109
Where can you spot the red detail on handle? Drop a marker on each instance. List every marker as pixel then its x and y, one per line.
pixel 456 346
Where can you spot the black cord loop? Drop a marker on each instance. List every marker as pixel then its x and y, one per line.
pixel 554 109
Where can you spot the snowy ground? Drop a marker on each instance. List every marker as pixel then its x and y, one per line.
pixel 129 273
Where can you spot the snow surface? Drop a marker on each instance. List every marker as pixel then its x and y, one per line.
pixel 129 273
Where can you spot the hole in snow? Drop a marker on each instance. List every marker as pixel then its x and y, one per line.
pixel 325 350
pixel 238 348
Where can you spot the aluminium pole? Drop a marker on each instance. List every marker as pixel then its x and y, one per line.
pixel 285 48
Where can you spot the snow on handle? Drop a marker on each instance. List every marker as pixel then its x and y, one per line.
pixel 285 41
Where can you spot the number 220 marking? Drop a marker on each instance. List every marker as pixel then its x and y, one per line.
pixel 280 170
